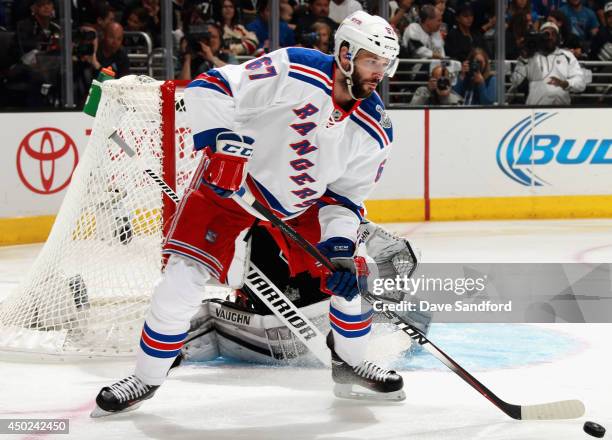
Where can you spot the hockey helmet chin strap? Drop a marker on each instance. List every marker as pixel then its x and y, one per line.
pixel 351 55
pixel 349 73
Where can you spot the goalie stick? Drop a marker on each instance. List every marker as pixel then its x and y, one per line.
pixel 259 283
pixel 564 409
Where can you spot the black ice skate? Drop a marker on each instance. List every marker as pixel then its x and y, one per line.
pixel 366 381
pixel 125 395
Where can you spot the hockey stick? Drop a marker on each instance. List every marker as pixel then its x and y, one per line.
pixel 256 280
pixel 565 409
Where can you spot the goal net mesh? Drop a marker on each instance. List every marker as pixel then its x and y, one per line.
pixel 88 290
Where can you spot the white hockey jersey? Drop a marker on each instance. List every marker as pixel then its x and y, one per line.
pixel 561 64
pixel 307 150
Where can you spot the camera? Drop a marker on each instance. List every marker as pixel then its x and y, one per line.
pixel 197 34
pixel 473 67
pixel 443 83
pixel 83 39
pixel 535 42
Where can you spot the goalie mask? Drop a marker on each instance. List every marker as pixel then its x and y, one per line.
pixel 361 30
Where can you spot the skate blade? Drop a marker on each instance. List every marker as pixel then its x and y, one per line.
pixel 98 412
pixel 354 392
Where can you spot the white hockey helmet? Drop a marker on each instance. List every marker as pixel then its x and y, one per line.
pixel 361 30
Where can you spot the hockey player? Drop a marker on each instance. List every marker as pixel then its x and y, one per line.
pixel 296 128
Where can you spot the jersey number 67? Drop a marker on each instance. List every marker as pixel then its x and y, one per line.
pixel 258 64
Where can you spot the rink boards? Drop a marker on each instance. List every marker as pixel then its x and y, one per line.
pixel 445 164
pixel 468 164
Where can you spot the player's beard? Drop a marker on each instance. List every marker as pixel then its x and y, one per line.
pixel 359 89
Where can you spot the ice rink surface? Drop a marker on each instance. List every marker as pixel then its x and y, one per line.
pixel 522 364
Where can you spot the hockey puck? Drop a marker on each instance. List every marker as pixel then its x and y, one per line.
pixel 594 429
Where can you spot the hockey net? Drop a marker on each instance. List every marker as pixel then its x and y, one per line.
pixel 89 288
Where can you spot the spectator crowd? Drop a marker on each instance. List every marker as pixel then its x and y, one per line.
pixel 212 33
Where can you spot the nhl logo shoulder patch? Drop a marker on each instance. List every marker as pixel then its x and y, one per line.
pixel 211 236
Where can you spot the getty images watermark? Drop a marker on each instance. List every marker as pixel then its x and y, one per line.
pixel 442 288
pixel 497 292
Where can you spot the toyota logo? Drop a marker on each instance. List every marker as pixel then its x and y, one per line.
pixel 38 158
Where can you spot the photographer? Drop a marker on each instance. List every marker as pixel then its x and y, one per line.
pixel 438 90
pixel 86 64
pixel 92 55
pixel 552 72
pixel 111 53
pixel 476 83
pixel 202 50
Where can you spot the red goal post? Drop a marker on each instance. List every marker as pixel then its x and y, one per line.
pixel 172 137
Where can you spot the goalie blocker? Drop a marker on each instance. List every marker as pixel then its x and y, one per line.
pixel 241 327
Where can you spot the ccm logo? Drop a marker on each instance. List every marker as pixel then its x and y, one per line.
pixel 238 150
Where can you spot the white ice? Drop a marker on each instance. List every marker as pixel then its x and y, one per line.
pixel 231 402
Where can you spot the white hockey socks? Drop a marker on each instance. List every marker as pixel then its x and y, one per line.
pixel 176 298
pixel 351 323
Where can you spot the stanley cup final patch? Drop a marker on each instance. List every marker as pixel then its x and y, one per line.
pixel 385 120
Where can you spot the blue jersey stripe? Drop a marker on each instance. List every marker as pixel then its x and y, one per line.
pixel 207 138
pixel 342 201
pixel 312 59
pixel 206 85
pixel 311 81
pixel 369 130
pixel 375 108
pixel 220 77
